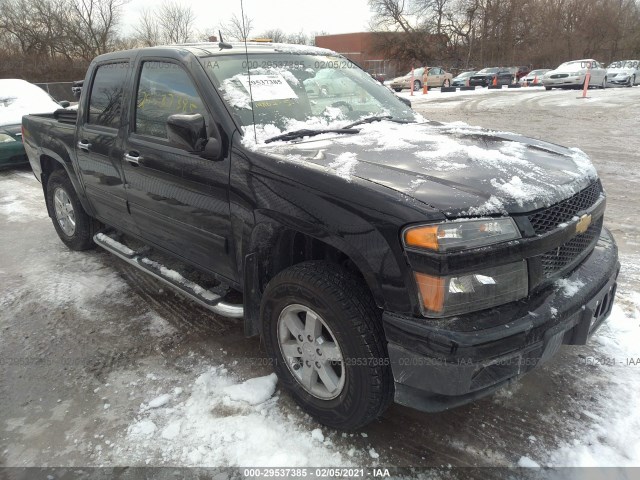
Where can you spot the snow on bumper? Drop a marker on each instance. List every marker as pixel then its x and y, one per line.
pixel 438 365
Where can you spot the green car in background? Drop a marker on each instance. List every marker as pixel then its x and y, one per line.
pixel 11 149
pixel 18 98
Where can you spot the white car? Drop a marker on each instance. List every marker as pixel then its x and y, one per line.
pixel 573 74
pixel 534 78
pixel 624 73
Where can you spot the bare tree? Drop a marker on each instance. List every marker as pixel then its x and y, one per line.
pixel 237 28
pixel 149 31
pixel 275 34
pixel 176 22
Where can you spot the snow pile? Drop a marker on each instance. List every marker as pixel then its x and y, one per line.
pixel 224 423
pixel 253 391
pixel 612 440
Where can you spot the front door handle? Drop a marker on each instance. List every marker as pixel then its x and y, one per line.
pixel 84 145
pixel 133 158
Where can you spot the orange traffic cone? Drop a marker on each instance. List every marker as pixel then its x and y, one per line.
pixel 495 81
pixel 425 89
pixel 535 80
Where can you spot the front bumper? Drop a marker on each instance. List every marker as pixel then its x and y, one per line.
pixel 441 364
pixel 571 81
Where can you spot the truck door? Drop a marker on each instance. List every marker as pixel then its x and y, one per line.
pixel 179 200
pixel 99 144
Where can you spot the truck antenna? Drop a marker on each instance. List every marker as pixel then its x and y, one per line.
pixel 246 53
pixel 222 44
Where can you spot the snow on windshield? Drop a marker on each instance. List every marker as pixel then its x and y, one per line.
pixel 18 98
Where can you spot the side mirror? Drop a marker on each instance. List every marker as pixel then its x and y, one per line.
pixel 212 149
pixel 188 132
pixel 64 104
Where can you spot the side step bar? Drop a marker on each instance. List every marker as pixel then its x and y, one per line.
pixel 189 289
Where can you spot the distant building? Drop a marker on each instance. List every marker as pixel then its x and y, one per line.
pixel 373 51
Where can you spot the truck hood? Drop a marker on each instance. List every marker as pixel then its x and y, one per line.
pixel 457 169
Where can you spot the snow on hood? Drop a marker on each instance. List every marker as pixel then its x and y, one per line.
pixel 18 98
pixel 458 169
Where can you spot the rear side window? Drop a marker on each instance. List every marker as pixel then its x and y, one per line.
pixel 105 102
pixel 164 89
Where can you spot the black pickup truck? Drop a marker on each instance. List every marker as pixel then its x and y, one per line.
pixel 379 255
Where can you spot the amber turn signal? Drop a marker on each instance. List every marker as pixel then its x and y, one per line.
pixel 422 237
pixel 432 290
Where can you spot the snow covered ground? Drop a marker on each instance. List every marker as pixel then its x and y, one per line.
pixel 99 365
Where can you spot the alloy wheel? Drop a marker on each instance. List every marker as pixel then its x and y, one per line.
pixel 65 215
pixel 311 352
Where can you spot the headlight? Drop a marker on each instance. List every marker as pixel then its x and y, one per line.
pixel 5 138
pixel 460 235
pixel 470 292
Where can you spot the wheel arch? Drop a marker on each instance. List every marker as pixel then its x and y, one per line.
pixel 276 246
pixel 50 163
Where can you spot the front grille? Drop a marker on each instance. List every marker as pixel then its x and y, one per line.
pixel 565 255
pixel 548 219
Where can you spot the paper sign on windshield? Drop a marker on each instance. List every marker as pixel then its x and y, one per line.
pixel 268 87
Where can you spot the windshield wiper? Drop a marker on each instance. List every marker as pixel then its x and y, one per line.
pixel 305 132
pixel 376 119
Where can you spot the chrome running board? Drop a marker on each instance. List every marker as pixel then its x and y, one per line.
pixel 173 279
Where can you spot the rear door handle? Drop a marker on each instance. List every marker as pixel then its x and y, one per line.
pixel 133 158
pixel 84 145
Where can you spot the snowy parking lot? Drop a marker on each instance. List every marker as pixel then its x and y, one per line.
pixel 102 366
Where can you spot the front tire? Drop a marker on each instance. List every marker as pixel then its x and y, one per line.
pixel 74 227
pixel 417 85
pixel 324 335
pixel 446 83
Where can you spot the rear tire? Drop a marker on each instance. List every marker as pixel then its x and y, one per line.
pixel 74 227
pixel 314 293
pixel 547 88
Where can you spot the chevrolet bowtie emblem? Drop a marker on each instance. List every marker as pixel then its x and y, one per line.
pixel 583 224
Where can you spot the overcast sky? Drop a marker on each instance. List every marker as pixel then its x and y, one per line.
pixel 333 16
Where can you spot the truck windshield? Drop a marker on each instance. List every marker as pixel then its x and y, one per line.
pixel 289 92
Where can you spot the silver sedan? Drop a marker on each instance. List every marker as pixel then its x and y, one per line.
pixel 624 73
pixel 573 75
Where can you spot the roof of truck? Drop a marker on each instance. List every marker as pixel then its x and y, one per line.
pixel 207 49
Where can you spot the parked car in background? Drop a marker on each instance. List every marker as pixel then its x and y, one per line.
pixel 520 72
pixel 438 77
pixel 462 79
pixel 486 76
pixel 624 73
pixel 534 77
pixel 572 75
pixel 18 98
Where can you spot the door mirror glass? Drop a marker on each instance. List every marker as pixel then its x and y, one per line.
pixel 187 131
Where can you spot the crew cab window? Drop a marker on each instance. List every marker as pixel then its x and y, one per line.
pixel 164 89
pixel 105 101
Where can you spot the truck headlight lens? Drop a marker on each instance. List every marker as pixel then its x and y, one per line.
pixel 460 235
pixel 470 292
